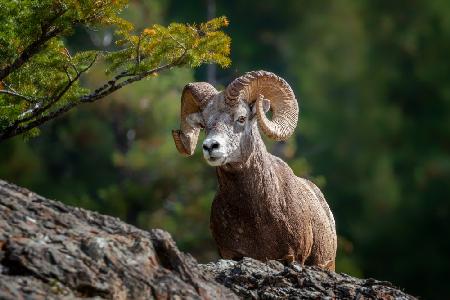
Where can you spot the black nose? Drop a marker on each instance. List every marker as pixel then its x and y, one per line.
pixel 210 144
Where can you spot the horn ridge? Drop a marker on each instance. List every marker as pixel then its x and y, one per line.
pixel 284 105
pixel 194 98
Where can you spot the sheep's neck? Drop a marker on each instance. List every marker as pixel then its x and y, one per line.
pixel 254 180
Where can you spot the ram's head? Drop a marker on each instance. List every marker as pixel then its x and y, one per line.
pixel 229 117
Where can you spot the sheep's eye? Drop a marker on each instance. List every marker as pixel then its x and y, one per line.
pixel 241 120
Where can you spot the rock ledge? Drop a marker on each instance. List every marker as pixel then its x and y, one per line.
pixel 49 250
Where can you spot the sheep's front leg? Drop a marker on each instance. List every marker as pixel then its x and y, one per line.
pixel 328 265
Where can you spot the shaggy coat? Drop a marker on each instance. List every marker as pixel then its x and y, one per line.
pixel 261 210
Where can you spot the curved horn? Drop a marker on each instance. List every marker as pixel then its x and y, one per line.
pixel 257 85
pixel 193 99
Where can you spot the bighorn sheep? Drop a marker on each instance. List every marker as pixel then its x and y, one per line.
pixel 261 210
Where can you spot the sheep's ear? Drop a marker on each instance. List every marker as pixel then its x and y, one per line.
pixel 266 107
pixel 195 120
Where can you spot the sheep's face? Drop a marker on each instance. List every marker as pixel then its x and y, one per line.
pixel 228 130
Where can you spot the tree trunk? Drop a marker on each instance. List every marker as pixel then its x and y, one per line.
pixel 51 251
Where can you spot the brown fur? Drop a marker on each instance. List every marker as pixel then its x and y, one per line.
pixel 262 210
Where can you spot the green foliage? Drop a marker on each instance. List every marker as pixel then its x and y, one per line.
pixel 374 79
pixel 39 77
pixel 26 21
pixel 178 43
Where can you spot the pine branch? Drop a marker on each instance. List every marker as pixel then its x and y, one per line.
pixel 113 85
pixel 12 93
pixel 47 32
pixel 156 49
pixel 59 95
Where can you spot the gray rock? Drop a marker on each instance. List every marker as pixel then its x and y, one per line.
pixel 52 251
pixel 49 250
pixel 252 279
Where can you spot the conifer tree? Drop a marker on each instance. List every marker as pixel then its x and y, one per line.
pixel 40 77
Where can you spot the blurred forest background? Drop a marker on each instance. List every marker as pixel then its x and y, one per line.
pixel 373 80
